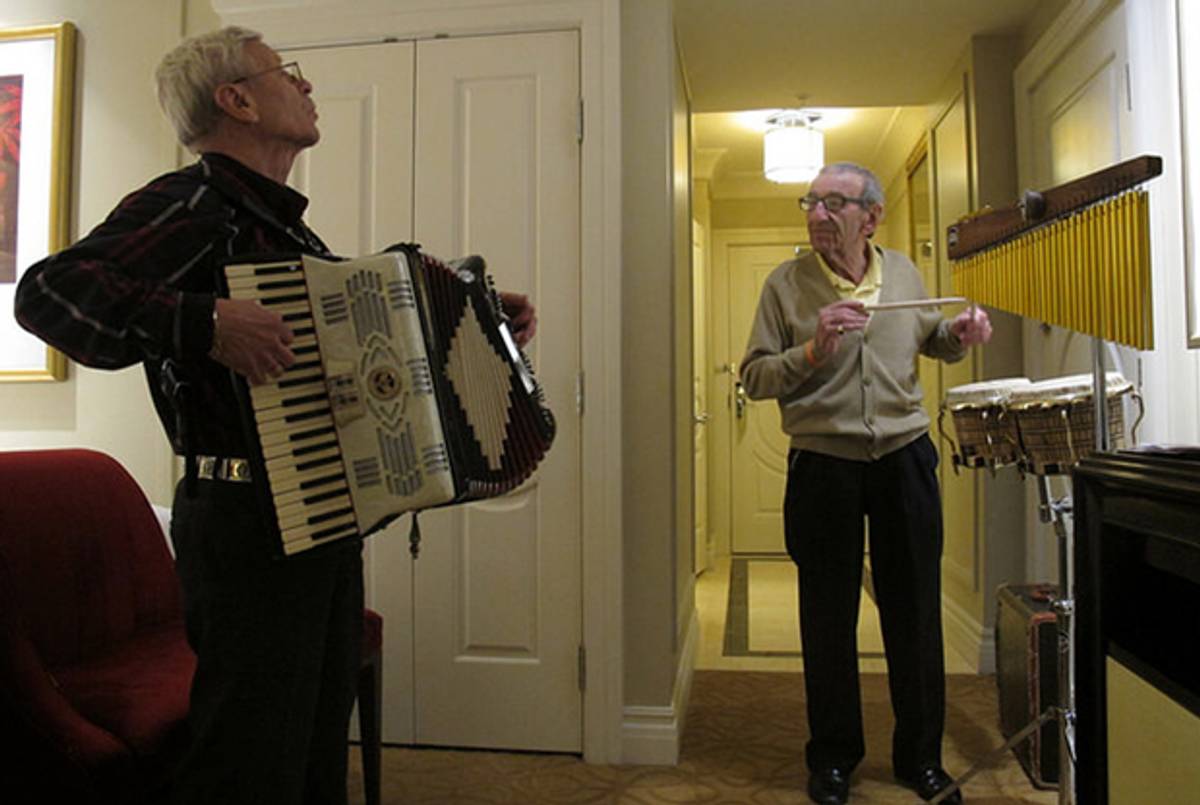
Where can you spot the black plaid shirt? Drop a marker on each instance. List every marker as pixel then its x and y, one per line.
pixel 141 286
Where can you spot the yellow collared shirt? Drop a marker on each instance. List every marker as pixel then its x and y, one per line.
pixel 866 291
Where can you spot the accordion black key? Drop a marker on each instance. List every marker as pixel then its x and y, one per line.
pixel 408 392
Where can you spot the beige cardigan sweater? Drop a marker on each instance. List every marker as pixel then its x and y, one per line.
pixel 863 401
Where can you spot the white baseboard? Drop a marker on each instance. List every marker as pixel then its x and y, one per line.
pixel 968 637
pixel 651 735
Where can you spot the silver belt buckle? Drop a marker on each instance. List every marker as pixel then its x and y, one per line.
pixel 237 469
pixel 214 468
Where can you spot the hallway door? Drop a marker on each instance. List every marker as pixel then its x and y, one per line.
pixel 758 473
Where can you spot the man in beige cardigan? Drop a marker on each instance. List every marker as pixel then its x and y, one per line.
pixel 846 382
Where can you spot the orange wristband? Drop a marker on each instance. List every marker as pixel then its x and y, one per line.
pixel 810 353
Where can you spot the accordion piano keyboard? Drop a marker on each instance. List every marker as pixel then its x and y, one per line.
pixel 295 423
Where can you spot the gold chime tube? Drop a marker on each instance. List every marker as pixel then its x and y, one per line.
pixel 1145 275
pixel 1129 269
pixel 1104 266
pixel 1088 271
pixel 1095 309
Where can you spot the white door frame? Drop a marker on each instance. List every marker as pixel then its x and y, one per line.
pixel 308 23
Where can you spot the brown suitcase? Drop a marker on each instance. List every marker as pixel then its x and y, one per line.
pixel 1027 674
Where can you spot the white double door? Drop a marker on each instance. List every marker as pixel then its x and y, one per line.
pixel 470 146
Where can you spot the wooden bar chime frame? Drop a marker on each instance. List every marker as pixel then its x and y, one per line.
pixel 1077 255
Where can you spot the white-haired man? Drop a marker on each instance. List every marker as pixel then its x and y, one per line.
pixel 277 643
pixel 850 401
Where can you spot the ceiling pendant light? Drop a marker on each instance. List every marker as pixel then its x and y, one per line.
pixel 793 148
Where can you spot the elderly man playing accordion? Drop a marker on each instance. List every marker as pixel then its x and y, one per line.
pixel 277 642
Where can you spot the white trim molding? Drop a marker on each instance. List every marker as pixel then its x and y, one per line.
pixel 652 736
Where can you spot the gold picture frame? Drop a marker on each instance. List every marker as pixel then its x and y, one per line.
pixel 37 102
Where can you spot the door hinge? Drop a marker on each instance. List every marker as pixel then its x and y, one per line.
pixel 582 668
pixel 579 394
pixel 579 133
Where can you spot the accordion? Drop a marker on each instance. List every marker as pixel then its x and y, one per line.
pixel 408 392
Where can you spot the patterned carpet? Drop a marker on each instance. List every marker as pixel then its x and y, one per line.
pixel 743 745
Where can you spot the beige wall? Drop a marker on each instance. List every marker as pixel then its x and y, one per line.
pixel 701 204
pixel 121 141
pixel 681 224
pixel 648 355
pixel 894 233
pixel 1043 17
pixel 199 17
pixel 973 154
pixel 756 213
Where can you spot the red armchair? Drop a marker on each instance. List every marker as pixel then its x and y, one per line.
pixel 94 663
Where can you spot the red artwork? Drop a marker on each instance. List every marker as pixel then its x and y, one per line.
pixel 10 171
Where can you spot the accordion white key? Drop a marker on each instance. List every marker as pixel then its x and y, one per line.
pixel 408 392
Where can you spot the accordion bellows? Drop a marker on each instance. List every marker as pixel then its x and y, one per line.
pixel 408 392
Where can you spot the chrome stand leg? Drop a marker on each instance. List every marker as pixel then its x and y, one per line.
pixel 1064 608
pixel 997 753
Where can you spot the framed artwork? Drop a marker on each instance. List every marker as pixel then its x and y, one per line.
pixel 37 71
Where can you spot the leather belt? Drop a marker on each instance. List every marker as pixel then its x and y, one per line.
pixel 215 468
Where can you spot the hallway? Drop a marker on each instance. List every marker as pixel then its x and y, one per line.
pixel 749 620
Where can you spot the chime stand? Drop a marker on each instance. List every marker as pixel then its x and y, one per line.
pixel 1056 511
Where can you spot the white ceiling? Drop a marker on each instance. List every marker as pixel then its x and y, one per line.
pixel 882 59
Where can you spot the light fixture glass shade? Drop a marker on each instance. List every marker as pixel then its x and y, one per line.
pixel 793 151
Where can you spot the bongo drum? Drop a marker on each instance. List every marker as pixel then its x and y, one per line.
pixel 1055 420
pixel 986 434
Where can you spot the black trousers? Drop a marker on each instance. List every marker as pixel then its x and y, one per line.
pixel 278 644
pixel 827 500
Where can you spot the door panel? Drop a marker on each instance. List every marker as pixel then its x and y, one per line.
pixel 759 451
pixel 359 183
pixel 359 193
pixel 1080 107
pixel 498 582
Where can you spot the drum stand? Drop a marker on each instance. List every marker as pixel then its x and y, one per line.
pixel 1055 511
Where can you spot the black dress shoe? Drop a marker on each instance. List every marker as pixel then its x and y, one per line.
pixel 829 786
pixel 929 782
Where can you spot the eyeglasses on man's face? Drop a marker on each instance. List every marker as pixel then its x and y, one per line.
pixel 833 202
pixel 290 69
